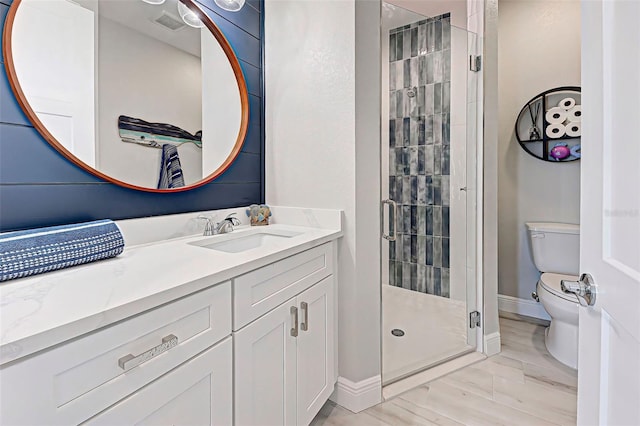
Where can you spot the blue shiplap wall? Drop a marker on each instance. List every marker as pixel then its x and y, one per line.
pixel 39 187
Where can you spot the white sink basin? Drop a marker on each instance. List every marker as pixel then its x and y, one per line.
pixel 236 244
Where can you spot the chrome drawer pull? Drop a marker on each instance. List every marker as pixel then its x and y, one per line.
pixel 129 361
pixel 304 326
pixel 294 320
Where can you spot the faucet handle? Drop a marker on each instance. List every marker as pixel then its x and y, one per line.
pixel 208 227
pixel 231 218
pixel 207 219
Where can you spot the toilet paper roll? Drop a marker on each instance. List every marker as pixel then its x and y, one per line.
pixel 556 130
pixel 573 129
pixel 556 115
pixel 575 113
pixel 567 103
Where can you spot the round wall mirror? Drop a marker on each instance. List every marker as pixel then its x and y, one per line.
pixel 146 94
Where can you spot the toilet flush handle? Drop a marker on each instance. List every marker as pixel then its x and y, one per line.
pixel 584 288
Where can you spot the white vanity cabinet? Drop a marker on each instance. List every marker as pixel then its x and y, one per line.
pixel 258 349
pixel 284 359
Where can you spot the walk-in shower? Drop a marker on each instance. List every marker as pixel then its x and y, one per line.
pixel 429 184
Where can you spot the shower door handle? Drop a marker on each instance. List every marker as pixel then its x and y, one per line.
pixel 393 211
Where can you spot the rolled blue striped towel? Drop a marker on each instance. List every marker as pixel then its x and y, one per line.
pixel 34 251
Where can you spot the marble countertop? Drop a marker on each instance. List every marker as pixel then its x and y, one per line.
pixel 44 310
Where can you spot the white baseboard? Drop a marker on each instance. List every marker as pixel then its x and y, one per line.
pixel 358 396
pixel 530 308
pixel 492 344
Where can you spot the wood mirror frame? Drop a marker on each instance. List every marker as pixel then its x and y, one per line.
pixel 40 127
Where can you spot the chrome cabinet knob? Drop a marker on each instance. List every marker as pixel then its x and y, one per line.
pixel 584 289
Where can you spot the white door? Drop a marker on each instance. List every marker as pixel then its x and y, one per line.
pixel 609 354
pixel 58 33
pixel 265 370
pixel 197 393
pixel 315 349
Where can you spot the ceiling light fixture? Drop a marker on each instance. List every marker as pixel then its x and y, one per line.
pixel 154 2
pixel 189 17
pixel 230 5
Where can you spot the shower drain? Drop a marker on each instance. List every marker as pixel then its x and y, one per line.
pixel 397 332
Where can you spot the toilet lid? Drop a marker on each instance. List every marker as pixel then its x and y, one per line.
pixel 551 283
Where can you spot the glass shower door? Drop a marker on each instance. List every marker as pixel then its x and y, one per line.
pixel 428 171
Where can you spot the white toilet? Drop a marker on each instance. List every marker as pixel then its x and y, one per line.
pixel 556 253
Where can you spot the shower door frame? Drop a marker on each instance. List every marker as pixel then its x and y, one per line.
pixel 474 194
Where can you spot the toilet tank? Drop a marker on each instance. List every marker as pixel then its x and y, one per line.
pixel 555 247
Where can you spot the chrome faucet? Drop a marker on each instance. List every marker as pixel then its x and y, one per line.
pixel 226 225
pixel 222 227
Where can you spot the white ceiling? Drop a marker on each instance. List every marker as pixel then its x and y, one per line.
pixel 140 16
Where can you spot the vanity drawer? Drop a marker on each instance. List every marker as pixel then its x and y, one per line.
pixel 259 291
pixel 74 381
pixel 198 392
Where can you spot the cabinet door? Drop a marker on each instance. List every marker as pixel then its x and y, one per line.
pixel 196 393
pixel 315 349
pixel 265 369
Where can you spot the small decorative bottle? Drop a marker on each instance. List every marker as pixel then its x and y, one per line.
pixel 259 214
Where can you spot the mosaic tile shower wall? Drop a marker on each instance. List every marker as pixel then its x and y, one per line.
pixel 419 140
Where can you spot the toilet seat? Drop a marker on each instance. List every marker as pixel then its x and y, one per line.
pixel 551 282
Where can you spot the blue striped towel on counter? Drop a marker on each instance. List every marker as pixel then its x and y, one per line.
pixel 34 251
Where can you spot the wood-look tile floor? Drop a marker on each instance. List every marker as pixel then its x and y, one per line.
pixel 523 385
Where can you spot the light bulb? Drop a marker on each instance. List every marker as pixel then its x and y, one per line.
pixel 189 16
pixel 230 5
